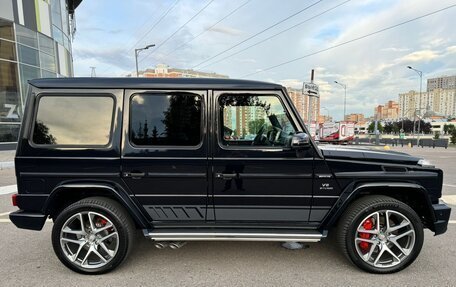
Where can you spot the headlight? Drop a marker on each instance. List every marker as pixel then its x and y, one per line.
pixel 425 163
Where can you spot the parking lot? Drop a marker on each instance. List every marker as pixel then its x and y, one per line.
pixel 27 258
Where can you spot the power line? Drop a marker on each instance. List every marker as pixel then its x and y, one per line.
pixel 156 23
pixel 349 41
pixel 256 34
pixel 275 35
pixel 180 28
pixel 207 29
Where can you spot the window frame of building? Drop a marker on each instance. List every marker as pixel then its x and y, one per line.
pixel 72 146
pixel 164 93
pixel 219 122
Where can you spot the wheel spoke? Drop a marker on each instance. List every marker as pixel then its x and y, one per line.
pixel 87 255
pixel 365 240
pixel 81 220
pixel 92 224
pixel 362 230
pixel 387 249
pixel 95 251
pixel 75 241
pixel 404 251
pixel 371 251
pixel 108 225
pixel 110 252
pixel 77 232
pixel 75 256
pixel 108 236
pixel 382 250
pixel 397 237
pixel 403 224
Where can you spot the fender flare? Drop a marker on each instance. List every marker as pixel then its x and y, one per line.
pixel 116 191
pixel 355 188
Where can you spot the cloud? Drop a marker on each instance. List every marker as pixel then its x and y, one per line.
pixel 226 30
pixel 419 56
pixel 394 49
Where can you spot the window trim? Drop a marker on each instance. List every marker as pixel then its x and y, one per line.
pixel 167 147
pixel 251 148
pixel 71 146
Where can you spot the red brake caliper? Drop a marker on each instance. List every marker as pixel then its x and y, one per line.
pixel 368 224
pixel 101 222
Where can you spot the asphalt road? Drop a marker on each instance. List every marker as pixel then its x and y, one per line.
pixel 27 258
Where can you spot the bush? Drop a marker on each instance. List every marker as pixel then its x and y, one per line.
pixel 453 137
pixel 436 135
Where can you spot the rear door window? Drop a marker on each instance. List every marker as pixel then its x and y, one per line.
pixel 166 119
pixel 74 120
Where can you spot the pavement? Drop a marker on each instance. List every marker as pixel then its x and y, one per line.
pixel 27 258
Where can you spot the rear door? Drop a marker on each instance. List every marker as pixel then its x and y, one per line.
pixel 164 155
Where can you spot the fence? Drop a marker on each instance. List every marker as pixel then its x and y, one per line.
pixel 405 142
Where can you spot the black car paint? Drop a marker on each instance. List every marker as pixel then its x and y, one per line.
pixel 175 186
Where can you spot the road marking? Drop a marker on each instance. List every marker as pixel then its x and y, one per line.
pixel 450 185
pixel 449 199
pixel 8 189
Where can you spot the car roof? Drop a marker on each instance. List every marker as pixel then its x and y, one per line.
pixel 152 83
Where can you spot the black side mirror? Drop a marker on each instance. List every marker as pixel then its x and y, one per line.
pixel 300 141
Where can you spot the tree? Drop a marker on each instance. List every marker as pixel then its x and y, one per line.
pixel 436 135
pixel 41 134
pixel 371 127
pixel 254 126
pixel 453 136
pixel 445 129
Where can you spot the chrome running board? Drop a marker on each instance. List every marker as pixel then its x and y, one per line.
pixel 223 235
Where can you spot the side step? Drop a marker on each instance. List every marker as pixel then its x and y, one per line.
pixel 233 235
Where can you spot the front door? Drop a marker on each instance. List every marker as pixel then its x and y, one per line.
pixel 257 178
pixel 164 155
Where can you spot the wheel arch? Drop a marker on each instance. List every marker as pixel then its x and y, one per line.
pixel 411 194
pixel 68 193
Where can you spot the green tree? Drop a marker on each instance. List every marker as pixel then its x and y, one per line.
pixel 436 135
pixel 445 129
pixel 453 136
pixel 371 127
pixel 255 125
pixel 42 135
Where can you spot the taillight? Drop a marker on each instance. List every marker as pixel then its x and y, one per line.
pixel 14 199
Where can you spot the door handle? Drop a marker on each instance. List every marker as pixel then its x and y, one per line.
pixel 135 174
pixel 226 176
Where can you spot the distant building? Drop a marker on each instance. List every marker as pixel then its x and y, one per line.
pixel 301 103
pixel 164 71
pixel 359 118
pixel 445 82
pixel 438 102
pixel 389 111
pixel 324 119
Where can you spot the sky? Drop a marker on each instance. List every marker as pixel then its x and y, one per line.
pixel 256 39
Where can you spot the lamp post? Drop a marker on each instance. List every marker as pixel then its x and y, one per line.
pixel 420 73
pixel 137 53
pixel 345 96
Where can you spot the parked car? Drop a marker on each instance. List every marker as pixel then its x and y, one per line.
pixel 105 157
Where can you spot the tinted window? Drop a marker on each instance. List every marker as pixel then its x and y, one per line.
pixel 172 119
pixel 72 120
pixel 254 120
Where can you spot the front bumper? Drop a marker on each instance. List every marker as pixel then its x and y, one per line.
pixel 442 216
pixel 28 220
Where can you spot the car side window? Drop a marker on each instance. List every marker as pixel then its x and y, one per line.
pixel 254 120
pixel 73 120
pixel 165 119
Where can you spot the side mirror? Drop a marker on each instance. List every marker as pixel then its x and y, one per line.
pixel 300 141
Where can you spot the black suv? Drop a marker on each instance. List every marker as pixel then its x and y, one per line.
pixel 207 159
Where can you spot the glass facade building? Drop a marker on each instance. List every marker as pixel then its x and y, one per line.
pixel 35 42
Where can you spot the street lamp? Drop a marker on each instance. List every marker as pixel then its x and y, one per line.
pixel 345 97
pixel 136 56
pixel 420 73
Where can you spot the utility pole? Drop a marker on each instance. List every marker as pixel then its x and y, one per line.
pixel 136 56
pixel 420 73
pixel 93 73
pixel 345 97
pixel 309 108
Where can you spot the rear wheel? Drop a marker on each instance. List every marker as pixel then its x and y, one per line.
pixel 93 236
pixel 380 234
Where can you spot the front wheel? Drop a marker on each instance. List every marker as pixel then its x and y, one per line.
pixel 380 234
pixel 93 235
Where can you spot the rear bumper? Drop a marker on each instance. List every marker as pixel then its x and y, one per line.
pixel 28 220
pixel 442 216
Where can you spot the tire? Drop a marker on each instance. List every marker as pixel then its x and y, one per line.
pixel 363 248
pixel 102 244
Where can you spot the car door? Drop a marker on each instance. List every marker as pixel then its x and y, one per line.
pixel 257 178
pixel 164 155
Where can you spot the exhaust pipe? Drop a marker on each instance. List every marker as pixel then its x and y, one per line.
pixel 161 245
pixel 177 245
